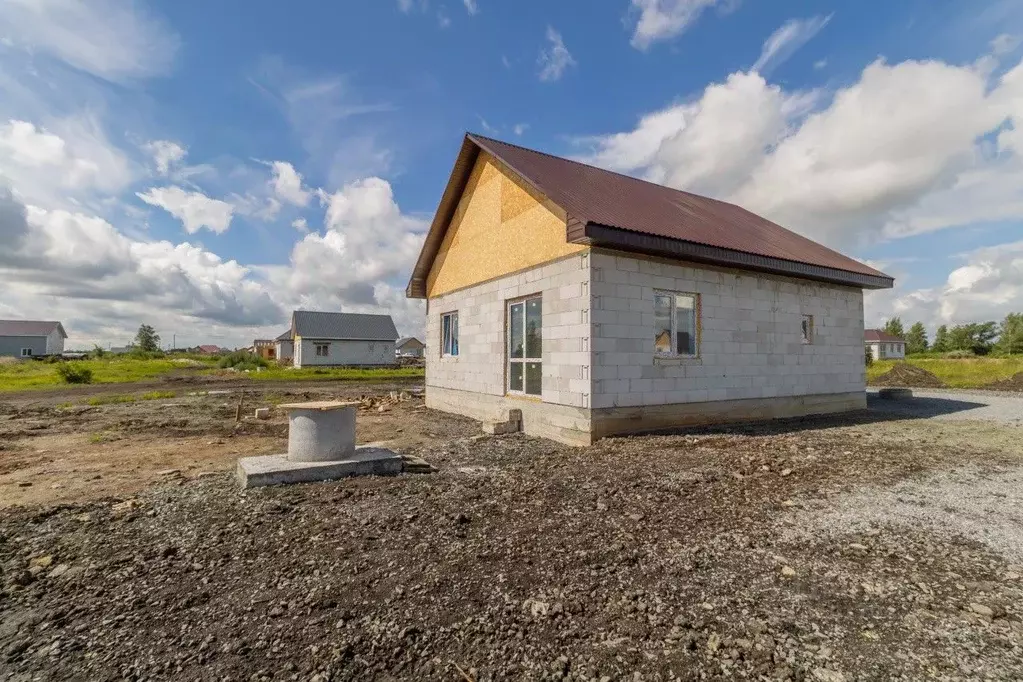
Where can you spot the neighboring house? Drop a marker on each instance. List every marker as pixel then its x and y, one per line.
pixel 409 347
pixel 599 304
pixel 884 346
pixel 208 349
pixel 265 348
pixel 27 338
pixel 285 346
pixel 342 339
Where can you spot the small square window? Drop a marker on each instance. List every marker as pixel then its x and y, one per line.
pixel 449 334
pixel 323 350
pixel 807 329
pixel 26 352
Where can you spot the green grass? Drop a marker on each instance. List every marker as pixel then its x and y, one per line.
pixel 965 373
pixel 19 376
pixel 158 395
pixel 114 399
pixel 110 399
pixel 337 373
pixel 113 370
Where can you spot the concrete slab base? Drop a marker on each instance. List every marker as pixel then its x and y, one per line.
pixel 254 472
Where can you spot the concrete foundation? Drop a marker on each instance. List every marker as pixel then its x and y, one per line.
pixel 254 472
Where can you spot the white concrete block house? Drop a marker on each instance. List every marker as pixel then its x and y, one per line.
pixel 326 339
pixel 28 338
pixel 600 304
pixel 884 346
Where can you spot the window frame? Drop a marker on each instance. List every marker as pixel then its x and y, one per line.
pixel 446 337
pixel 325 347
pixel 807 339
pixel 697 327
pixel 26 352
pixel 524 360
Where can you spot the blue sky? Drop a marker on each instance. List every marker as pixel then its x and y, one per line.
pixel 208 167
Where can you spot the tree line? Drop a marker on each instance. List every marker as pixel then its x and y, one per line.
pixel 979 338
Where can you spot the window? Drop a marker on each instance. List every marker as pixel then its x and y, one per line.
pixel 26 352
pixel 323 350
pixel 807 329
pixel 449 334
pixel 525 346
pixel 675 323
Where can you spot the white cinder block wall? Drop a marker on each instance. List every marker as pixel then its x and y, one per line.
pixel 480 364
pixel 750 344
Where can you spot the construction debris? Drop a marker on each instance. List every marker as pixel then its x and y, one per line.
pixel 383 403
pixel 416 465
pixel 511 425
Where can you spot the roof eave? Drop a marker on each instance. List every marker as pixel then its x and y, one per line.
pixel 654 245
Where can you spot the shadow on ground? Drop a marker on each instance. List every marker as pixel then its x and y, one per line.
pixel 878 410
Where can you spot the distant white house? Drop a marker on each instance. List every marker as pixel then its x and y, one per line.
pixel 884 346
pixel 27 338
pixel 409 347
pixel 325 339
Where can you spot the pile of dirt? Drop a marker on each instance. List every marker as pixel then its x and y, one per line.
pixel 905 374
pixel 1013 383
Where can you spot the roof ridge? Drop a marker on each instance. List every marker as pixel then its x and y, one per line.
pixel 605 170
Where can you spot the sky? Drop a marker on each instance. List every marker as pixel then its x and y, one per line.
pixel 206 168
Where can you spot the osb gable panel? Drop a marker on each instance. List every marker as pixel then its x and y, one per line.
pixel 499 227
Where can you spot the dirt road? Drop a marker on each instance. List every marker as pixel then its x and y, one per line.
pixel 830 549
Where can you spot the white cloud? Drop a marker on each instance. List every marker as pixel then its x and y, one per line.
pixel 287 184
pixel 1004 44
pixel 60 165
pixel 471 7
pixel 300 224
pixel 878 159
pixel 195 210
pixel 520 128
pixel 664 19
pixel 555 59
pixel 112 39
pixel 166 154
pixel 786 39
pixel 367 240
pixel 443 20
pixel 820 64
pixel 987 286
pixel 83 269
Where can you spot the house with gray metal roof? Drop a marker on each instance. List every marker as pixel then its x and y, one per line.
pixel 326 339
pixel 587 303
pixel 28 338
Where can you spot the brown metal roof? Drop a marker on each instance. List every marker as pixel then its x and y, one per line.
pixel 621 212
pixel 876 335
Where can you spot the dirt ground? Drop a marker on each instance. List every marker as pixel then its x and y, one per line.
pixel 882 545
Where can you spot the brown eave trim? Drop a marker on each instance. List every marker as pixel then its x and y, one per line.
pixel 654 245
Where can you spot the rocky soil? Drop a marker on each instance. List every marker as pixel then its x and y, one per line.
pixel 702 556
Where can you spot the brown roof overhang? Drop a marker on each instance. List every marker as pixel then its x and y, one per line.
pixel 602 236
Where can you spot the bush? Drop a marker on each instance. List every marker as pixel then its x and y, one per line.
pixel 242 360
pixel 960 354
pixel 868 357
pixel 139 354
pixel 75 375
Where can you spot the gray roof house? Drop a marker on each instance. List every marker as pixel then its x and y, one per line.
pixel 410 346
pixel 26 338
pixel 342 339
pixel 285 347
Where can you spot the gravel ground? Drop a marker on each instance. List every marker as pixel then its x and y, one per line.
pixel 787 551
pixel 954 404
